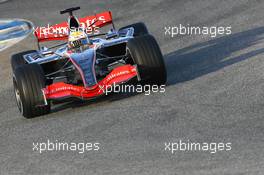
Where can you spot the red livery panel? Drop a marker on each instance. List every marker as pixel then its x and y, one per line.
pixel 61 31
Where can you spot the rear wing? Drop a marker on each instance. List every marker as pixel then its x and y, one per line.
pixel 61 31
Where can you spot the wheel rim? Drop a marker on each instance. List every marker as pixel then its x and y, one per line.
pixel 18 98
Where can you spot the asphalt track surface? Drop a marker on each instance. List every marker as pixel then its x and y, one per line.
pixel 214 94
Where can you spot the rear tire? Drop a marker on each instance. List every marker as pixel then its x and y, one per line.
pixel 139 29
pixel 28 81
pixel 18 60
pixel 146 53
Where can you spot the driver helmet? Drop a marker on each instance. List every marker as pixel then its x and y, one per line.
pixel 77 39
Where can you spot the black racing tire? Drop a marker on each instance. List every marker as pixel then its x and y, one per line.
pixel 28 81
pixel 18 60
pixel 146 54
pixel 139 29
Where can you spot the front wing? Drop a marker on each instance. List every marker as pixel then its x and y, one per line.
pixel 61 90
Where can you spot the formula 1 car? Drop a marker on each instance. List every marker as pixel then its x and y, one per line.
pixel 86 64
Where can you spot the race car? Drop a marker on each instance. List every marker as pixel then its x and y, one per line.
pixel 85 64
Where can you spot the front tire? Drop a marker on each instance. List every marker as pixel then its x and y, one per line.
pixel 28 81
pixel 146 54
pixel 140 29
pixel 18 60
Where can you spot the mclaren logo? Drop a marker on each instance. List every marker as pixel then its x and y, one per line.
pixel 114 75
pixel 64 88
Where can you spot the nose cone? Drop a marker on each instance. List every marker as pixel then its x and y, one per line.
pixel 13 31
